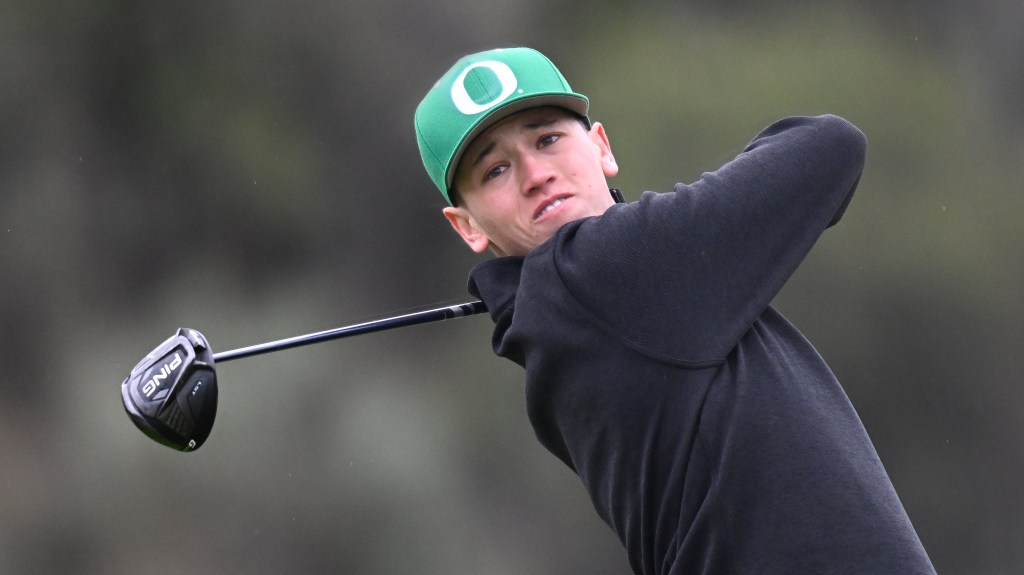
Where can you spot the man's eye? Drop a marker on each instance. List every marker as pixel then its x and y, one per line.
pixel 495 172
pixel 547 140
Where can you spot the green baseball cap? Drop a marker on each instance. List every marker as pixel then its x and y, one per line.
pixel 478 91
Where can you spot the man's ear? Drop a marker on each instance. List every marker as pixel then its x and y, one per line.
pixel 466 227
pixel 600 139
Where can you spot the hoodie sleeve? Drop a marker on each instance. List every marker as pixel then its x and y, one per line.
pixel 683 275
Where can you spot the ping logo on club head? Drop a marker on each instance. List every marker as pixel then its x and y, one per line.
pixel 491 82
pixel 154 383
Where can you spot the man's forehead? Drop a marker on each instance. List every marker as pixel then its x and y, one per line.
pixel 530 119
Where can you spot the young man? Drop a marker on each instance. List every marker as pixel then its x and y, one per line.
pixel 710 435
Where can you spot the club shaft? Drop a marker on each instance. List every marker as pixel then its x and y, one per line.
pixel 426 316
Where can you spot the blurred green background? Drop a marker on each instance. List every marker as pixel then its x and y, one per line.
pixel 249 169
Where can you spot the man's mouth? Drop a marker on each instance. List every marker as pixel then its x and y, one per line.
pixel 549 207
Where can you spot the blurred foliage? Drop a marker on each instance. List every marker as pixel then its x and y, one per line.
pixel 249 169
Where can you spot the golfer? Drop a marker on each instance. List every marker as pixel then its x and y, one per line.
pixel 709 434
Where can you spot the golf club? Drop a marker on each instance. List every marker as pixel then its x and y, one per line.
pixel 171 394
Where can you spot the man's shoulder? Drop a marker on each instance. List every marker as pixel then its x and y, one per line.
pixel 496 282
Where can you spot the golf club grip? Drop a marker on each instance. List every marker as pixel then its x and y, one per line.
pixel 426 316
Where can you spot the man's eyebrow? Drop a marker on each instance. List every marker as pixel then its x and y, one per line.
pixel 539 122
pixel 483 153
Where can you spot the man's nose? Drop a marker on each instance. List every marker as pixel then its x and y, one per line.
pixel 536 172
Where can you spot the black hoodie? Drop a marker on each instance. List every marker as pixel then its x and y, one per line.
pixel 709 433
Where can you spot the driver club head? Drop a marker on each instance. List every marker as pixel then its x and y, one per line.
pixel 171 395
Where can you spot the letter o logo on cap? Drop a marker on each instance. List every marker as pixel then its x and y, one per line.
pixel 465 103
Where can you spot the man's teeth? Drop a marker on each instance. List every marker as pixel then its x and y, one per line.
pixel 550 207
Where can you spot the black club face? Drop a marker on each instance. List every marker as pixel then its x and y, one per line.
pixel 171 395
